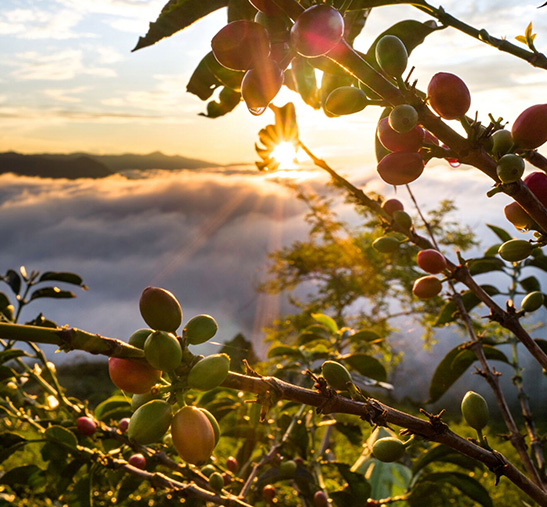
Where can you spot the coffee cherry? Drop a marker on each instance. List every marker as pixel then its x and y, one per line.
pixel 137 460
pixel 515 250
pixel 200 329
pixel 431 261
pixel 517 216
pixel 502 142
pixel 163 351
pixel 336 375
pixel 232 464
pixel 86 426
pixel 386 244
pixel 402 219
pixel 317 30
pixel 346 100
pixel 160 309
pixel 475 410
pixel 214 423
pixel 287 468
pixel 403 118
pixel 216 481
pixel 392 205
pixel 537 183
pixel 388 449
pixel 510 168
pixel 150 422
pixel 267 7
pixel 208 470
pixel 401 168
pixel 123 424
pixel 137 400
pixel 391 55
pixel 241 45
pixel 427 287
pixel 261 84
pixel 227 479
pixel 138 338
pixel 530 128
pixel 268 492
pixel 131 375
pixel 395 141
pixel 448 95
pixel 210 372
pixel 193 435
pixel 532 302
pixel 320 499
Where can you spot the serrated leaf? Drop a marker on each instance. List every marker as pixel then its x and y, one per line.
pixel 530 284
pixel 454 365
pixel 466 484
pixel 284 350
pixel 60 435
pixel 327 321
pixel 175 16
pixel 51 292
pixel 366 365
pixel 500 233
pixel 59 276
pixel 13 279
pixel 485 265
pixel 228 99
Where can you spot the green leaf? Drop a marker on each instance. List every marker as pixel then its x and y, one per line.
pixel 203 82
pixel 13 279
pixel 365 336
pixel 500 233
pixel 240 9
pixel 20 475
pixel 71 278
pixel 485 265
pixel 444 454
pixel 175 16
pixel 351 431
pixel 60 435
pixel 284 351
pixel 301 79
pixel 4 301
pixel 467 485
pixel 6 373
pixel 454 365
pixel 8 355
pixel 9 438
pixel 539 262
pixel 51 292
pixel 366 365
pixel 327 321
pixel 357 486
pixel 530 284
pixel 228 99
pixel 116 407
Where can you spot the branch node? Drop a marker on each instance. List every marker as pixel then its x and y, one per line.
pixel 435 420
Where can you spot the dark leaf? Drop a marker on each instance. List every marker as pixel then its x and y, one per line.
pixel 303 81
pixel 229 78
pixel 366 336
pixel 542 344
pixel 9 438
pixel 59 435
pixel 129 485
pixel 485 265
pixel 71 278
pixel 539 262
pixel 13 279
pixel 530 284
pixel 51 292
pixel 66 475
pixel 228 99
pixel 203 82
pixel 116 407
pixel 441 453
pixel 454 365
pixel 351 431
pixel 284 351
pixel 175 16
pixel 4 301
pixel 500 233
pixel 466 484
pixel 20 475
pixel 240 9
pixel 357 486
pixel 8 355
pixel 366 365
pixel 6 373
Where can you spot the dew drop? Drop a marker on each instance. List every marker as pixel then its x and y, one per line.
pixel 454 162
pixel 257 111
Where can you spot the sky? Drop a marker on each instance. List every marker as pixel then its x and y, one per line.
pixel 69 82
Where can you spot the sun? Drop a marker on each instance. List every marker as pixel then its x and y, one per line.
pixel 286 154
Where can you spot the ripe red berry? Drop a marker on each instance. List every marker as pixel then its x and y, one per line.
pixel 138 461
pixel 401 168
pixel 427 287
pixel 227 478
pixel 431 261
pixel 241 45
pixel 392 205
pixel 261 84
pixel 517 216
pixel 395 141
pixel 232 464
pixel 537 183
pixel 317 30
pixel 530 128
pixel 320 499
pixel 268 492
pixel 448 95
pixel 123 424
pixel 86 426
pixel 132 376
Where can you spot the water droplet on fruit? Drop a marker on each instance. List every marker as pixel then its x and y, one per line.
pixel 257 111
pixel 454 162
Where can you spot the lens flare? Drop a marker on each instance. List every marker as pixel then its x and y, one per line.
pixel 285 153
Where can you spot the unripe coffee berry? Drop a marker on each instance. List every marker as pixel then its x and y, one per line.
pixel 160 309
pixel 510 168
pixel 475 410
pixel 200 329
pixel 210 372
pixel 86 426
pixel 287 468
pixel 208 470
pixel 391 55
pixel 336 375
pixel 502 142
pixel 138 338
pixel 386 244
pixel 216 481
pixel 403 118
pixel 138 461
pixel 402 219
pixel 162 350
pixel 532 302
pixel 515 250
pixel 346 100
pixel 427 287
pixel 448 95
pixel 431 261
pixel 388 449
pixel 193 435
pixel 150 422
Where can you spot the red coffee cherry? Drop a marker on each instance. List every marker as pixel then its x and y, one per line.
pixel 537 183
pixel 401 168
pixel 517 216
pixel 267 7
pixel 123 424
pixel 241 45
pixel 260 85
pixel 138 461
pixel 530 128
pixel 395 141
pixel 86 426
pixel 427 287
pixel 392 205
pixel 268 492
pixel 232 464
pixel 448 95
pixel 317 30
pixel 320 499
pixel 132 376
pixel 431 261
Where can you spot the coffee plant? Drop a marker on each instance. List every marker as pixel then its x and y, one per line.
pixel 302 427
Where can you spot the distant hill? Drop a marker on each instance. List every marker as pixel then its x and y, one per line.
pixel 85 165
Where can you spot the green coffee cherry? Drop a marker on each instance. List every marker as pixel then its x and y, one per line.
pixel 388 449
pixel 502 142
pixel 336 375
pixel 386 244
pixel 160 309
pixel 391 55
pixel 138 338
pixel 402 219
pixel 200 329
pixel 532 302
pixel 403 118
pixel 216 481
pixel 208 470
pixel 346 100
pixel 510 168
pixel 475 410
pixel 209 373
pixel 163 351
pixel 150 422
pixel 138 400
pixel 287 468
pixel 515 250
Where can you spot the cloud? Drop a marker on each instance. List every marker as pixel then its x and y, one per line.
pixel 65 95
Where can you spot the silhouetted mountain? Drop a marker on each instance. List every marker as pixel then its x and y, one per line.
pixel 66 166
pixel 155 160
